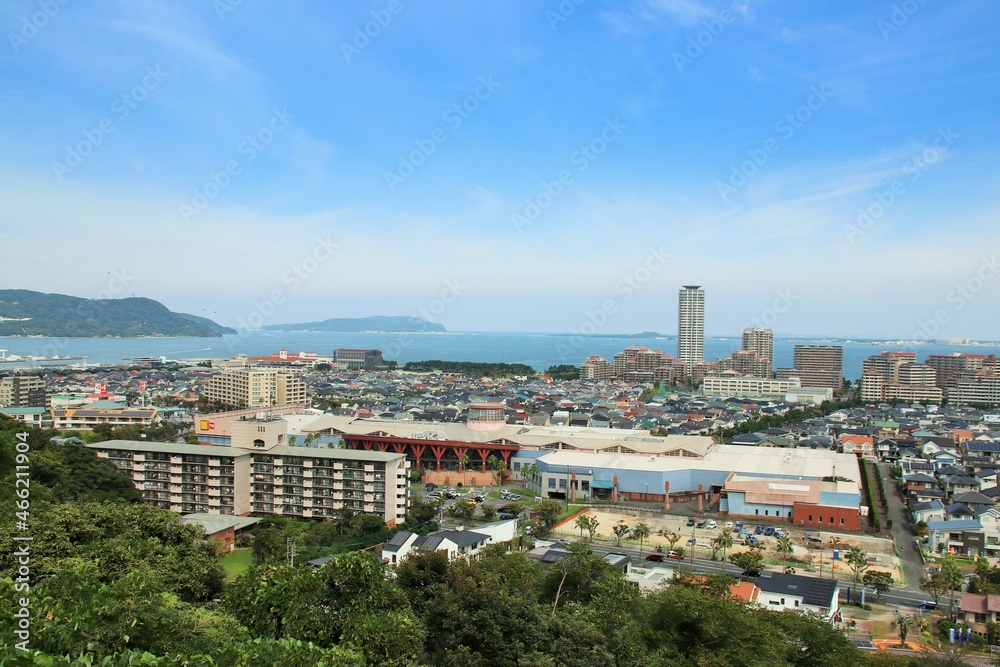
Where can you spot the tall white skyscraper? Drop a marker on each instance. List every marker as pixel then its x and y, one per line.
pixel 691 324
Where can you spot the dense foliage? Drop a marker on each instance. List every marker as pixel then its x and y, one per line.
pixel 563 372
pixel 59 315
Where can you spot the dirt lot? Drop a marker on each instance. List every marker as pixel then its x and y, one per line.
pixel 804 551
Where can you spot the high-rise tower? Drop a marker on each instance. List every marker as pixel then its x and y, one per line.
pixel 691 324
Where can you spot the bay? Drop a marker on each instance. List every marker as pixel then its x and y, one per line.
pixel 538 350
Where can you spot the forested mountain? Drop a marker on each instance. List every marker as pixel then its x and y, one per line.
pixel 28 313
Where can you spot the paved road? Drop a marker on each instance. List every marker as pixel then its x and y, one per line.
pixel 902 530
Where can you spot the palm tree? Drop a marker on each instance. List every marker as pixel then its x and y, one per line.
pixel 641 532
pixel 583 523
pixel 725 541
pixel 902 624
pixel 785 547
pixel 857 559
pixel 530 472
pixel 494 464
pixel 463 461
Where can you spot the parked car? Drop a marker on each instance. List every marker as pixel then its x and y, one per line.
pixel 655 558
pixel 479 497
pixel 779 532
pixel 430 486
pixel 759 530
pixel 690 522
pixel 514 496
pixel 674 555
pixel 690 541
pixel 729 525
pixel 768 531
pixel 711 525
pixel 701 524
pixel 434 494
pixel 751 540
pixel 503 516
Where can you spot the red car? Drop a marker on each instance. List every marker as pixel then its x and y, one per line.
pixel 674 555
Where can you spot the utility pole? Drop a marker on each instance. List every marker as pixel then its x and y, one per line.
pixel 290 552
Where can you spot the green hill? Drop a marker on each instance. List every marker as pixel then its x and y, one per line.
pixel 378 323
pixel 28 313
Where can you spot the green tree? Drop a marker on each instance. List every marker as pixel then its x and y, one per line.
pixel 489 511
pixel 583 523
pixel 573 577
pixel 935 586
pixel 641 532
pixel 463 461
pixel 530 472
pixel 592 524
pixel 902 624
pixel 497 465
pixel 951 573
pixel 785 547
pixel 880 581
pixel 546 517
pixel 857 560
pixel 620 530
pixel 725 540
pixel 749 561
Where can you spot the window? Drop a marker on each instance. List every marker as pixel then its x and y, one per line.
pixel 841 521
pixel 552 482
pixel 810 517
pixel 756 511
pixel 562 484
pixel 765 512
pixel 796 604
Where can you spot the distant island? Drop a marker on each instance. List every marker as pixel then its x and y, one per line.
pixel 28 313
pixel 643 334
pixel 376 324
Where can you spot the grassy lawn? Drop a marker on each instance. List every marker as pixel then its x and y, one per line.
pixel 236 562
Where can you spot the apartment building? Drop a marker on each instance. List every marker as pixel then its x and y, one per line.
pixel 255 388
pixel 260 474
pixel 691 324
pixel 812 378
pixel 747 362
pixel 23 391
pixel 917 374
pixel 640 364
pixel 978 390
pixel 951 367
pixel 747 386
pixel 597 368
pixel 887 364
pixel 761 342
pixel 816 366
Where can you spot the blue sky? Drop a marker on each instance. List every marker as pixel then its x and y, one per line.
pixel 510 166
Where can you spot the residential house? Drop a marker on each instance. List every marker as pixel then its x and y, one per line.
pixel 963 537
pixel 799 593
pixel 978 610
pixel 928 511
